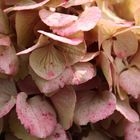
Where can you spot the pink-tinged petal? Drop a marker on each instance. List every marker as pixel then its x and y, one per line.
pixel 26 6
pixel 89 18
pixel 7 96
pixel 126 110
pixel 36 114
pixel 87 21
pixel 47 62
pixel 70 3
pixel 64 101
pixel 8 60
pixel 56 19
pixel 71 41
pixel 58 134
pixel 93 107
pixel 82 72
pixel 132 131
pixel 125 44
pixel 18 129
pixel 130 82
pixel 54 84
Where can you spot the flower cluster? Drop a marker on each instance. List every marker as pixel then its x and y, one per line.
pixel 69 69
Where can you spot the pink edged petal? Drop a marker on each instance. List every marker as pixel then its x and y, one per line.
pixel 64 101
pixel 82 73
pixel 89 18
pixel 7 96
pixel 54 84
pixel 126 110
pixel 8 60
pixel 93 107
pixel 71 41
pixel 56 19
pixel 27 6
pixel 129 81
pixel 36 114
pixel 132 131
pixel 18 129
pixel 58 134
pixel 87 21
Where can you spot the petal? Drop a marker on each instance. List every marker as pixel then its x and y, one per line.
pixel 71 41
pixel 132 131
pixel 18 129
pixel 27 5
pixel 8 60
pixel 84 23
pixel 72 54
pixel 47 62
pixel 64 101
pixel 126 110
pixel 58 134
pixel 130 82
pixel 125 44
pixel 24 24
pixel 106 68
pixel 7 96
pixel 136 59
pixel 82 73
pixel 91 107
pixel 42 41
pixel 4 23
pixel 52 85
pixel 4 40
pixel 55 19
pixel 36 114
pixel 89 56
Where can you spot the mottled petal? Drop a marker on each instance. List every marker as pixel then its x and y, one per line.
pixel 36 114
pixel 132 131
pixel 93 107
pixel 55 19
